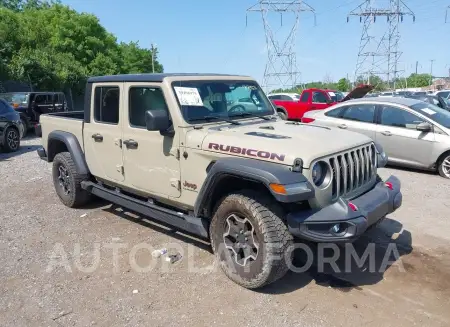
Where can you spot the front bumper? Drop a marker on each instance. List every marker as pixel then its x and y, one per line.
pixel 353 217
pixel 42 154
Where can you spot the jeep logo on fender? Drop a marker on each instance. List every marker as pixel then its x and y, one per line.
pixel 247 152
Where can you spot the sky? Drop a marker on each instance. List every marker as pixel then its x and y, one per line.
pixel 219 36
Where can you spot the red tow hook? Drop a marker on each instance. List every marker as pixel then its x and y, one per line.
pixel 352 206
pixel 389 185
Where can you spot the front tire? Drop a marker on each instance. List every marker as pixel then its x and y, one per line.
pixel 67 181
pixel 444 166
pixel 11 143
pixel 250 240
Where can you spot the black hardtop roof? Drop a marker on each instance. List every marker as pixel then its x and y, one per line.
pixel 148 77
pixel 32 92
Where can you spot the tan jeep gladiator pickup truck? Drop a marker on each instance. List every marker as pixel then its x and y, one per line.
pixel 208 155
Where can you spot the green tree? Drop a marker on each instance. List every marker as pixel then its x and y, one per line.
pixel 343 84
pixel 54 47
pixel 419 80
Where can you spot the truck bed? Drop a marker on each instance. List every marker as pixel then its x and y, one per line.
pixel 70 122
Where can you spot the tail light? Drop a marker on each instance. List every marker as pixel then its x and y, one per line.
pixel 15 105
pixel 307 120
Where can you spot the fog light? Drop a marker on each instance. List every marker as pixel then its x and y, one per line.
pixel 335 229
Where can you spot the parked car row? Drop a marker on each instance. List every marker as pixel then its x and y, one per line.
pixel 20 113
pixel 30 105
pixel 414 133
pixel 293 106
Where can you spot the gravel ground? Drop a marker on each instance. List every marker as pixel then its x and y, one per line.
pixel 51 273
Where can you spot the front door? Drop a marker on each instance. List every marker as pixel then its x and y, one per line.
pixel 150 159
pixel 102 135
pixel 400 139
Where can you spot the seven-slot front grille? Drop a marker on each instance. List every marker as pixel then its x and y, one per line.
pixel 352 169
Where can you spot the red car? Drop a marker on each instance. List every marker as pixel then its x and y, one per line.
pixel 294 107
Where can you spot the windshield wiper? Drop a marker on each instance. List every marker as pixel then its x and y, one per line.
pixel 252 115
pixel 207 118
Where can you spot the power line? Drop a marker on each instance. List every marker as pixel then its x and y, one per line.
pixel 379 56
pixel 281 67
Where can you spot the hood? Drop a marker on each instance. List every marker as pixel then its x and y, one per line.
pixel 358 92
pixel 280 141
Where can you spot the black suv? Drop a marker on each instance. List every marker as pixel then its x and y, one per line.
pixel 11 128
pixel 30 105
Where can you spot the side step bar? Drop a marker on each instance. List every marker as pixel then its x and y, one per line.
pixel 191 224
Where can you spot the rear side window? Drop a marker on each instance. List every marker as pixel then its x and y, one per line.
pixel 106 104
pixel 305 97
pixel 274 97
pixel 286 98
pixel 142 99
pixel 360 112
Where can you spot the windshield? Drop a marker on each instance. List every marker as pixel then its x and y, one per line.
pixel 336 96
pixel 15 98
pixel 444 94
pixel 435 113
pixel 201 100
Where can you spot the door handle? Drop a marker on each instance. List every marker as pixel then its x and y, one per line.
pixel 387 133
pixel 313 107
pixel 131 144
pixel 97 137
pixel 343 126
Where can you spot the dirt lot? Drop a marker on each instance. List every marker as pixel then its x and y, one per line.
pixel 91 287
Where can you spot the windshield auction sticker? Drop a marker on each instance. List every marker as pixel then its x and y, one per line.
pixel 188 96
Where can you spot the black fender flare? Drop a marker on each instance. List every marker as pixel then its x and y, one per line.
pixel 73 146
pixel 283 109
pixel 263 172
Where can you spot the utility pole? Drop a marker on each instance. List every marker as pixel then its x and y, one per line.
pixel 431 71
pixel 281 67
pixel 446 13
pixel 417 64
pixel 383 52
pixel 153 58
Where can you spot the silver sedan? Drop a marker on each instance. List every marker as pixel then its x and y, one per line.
pixel 413 133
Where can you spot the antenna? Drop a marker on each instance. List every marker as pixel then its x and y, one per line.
pixel 383 52
pixel 281 67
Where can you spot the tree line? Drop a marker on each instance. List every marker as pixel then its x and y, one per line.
pixel 53 47
pixel 344 84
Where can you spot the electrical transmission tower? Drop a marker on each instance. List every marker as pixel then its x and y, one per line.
pixel 281 67
pixel 379 56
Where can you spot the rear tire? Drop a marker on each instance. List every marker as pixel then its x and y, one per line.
pixel 67 181
pixel 282 115
pixel 25 127
pixel 11 142
pixel 250 240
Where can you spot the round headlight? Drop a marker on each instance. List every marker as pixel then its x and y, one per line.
pixel 319 173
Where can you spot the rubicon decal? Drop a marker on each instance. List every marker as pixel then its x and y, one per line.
pixel 247 152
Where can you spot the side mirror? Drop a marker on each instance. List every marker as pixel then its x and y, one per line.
pixel 424 127
pixel 157 120
pixel 329 101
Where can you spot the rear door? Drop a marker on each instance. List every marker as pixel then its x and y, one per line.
pixel 151 160
pixel 359 118
pixel 400 140
pixel 103 133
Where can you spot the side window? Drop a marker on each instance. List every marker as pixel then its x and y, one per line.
pixel 305 97
pixel 336 113
pixel 274 97
pixel 319 97
pixel 396 117
pixel 4 108
pixel 360 112
pixel 106 104
pixel 285 98
pixel 142 99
